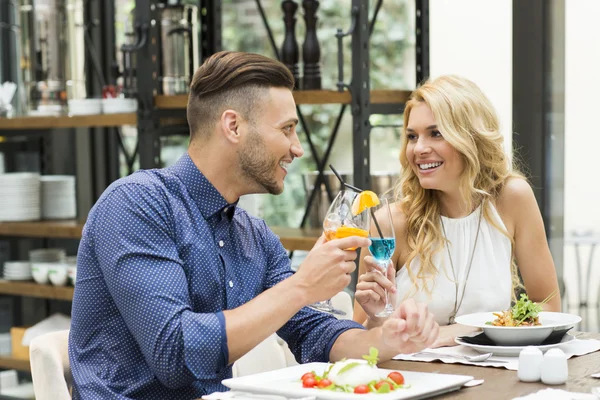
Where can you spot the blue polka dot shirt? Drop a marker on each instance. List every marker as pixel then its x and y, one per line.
pixel 161 256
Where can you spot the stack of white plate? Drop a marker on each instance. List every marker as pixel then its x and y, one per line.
pixel 47 256
pixel 20 196
pixel 58 197
pixel 17 271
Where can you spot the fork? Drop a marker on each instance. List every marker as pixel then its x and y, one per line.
pixel 477 358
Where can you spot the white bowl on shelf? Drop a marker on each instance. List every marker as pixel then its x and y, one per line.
pixel 40 272
pixel 85 106
pixel 58 274
pixel 119 105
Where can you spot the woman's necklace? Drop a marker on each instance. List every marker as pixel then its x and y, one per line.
pixel 458 303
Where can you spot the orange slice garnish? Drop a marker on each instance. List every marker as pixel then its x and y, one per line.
pixel 364 200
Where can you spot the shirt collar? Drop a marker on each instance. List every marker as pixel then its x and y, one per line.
pixel 205 195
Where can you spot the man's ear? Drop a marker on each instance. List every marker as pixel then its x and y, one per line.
pixel 230 125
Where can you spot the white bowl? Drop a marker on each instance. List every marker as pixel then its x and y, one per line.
pixel 520 335
pixel 85 106
pixel 58 275
pixel 119 105
pixel 39 271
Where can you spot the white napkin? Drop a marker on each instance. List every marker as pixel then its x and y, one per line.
pixel 577 347
pixel 556 394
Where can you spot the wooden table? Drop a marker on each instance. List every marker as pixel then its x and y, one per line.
pixel 501 383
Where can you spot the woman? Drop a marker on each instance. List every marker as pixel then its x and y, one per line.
pixel 464 219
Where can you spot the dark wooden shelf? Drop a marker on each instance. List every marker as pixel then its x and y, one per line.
pixel 43 229
pixel 65 121
pixel 303 97
pixel 7 362
pixel 291 238
pixel 33 289
pixel 296 238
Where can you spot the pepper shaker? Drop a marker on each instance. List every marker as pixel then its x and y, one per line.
pixel 530 364
pixel 555 370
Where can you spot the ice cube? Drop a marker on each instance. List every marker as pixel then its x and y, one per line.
pixel 332 222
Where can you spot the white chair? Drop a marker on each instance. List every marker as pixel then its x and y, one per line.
pixel 50 370
pixel 343 301
pixel 273 353
pixel 268 355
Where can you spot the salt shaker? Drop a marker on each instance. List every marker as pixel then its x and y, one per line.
pixel 530 364
pixel 555 370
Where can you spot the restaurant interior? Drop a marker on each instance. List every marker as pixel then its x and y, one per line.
pixel 94 90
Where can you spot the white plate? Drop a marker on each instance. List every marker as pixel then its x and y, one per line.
pixel 511 351
pixel 286 382
pixel 23 278
pixel 520 335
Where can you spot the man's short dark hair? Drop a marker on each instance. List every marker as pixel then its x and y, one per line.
pixel 233 80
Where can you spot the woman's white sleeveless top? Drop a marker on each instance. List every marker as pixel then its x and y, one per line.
pixel 488 287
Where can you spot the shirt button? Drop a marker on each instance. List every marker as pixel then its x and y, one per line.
pixel 230 284
pixel 221 243
pixel 225 209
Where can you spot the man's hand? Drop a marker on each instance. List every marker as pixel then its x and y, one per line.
pixel 371 285
pixel 449 332
pixel 327 268
pixel 411 328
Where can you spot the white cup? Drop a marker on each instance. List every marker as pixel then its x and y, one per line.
pixel 39 271
pixel 530 364
pixel 58 274
pixel 555 370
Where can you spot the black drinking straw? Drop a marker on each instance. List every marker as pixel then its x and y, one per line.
pixel 342 181
pixel 344 184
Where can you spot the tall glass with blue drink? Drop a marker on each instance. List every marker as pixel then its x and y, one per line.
pixel 383 244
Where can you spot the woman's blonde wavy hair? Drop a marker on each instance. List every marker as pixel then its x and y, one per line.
pixel 468 122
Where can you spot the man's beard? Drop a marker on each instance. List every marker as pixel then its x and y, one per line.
pixel 257 165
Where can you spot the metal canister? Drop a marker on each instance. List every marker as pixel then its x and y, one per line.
pixel 179 46
pixel 10 68
pixel 53 52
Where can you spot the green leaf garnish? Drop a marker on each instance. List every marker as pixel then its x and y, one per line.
pixel 525 309
pixel 348 367
pixel 373 356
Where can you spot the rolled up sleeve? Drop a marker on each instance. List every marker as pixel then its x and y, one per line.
pixel 310 334
pixel 144 274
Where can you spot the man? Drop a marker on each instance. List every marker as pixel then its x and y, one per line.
pixel 175 282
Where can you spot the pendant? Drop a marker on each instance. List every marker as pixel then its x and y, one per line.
pixel 451 320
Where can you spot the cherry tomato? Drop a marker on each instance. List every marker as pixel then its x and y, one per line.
pixel 361 389
pixel 396 377
pixel 323 383
pixel 309 383
pixel 307 375
pixel 381 383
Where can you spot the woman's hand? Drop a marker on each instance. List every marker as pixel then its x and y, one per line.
pixel 370 287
